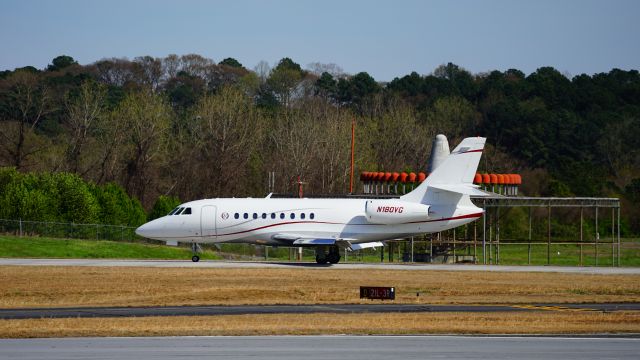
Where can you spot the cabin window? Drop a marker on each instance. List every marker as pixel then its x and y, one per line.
pixel 255 216
pixel 302 216
pixel 236 216
pixel 264 216
pixel 187 211
pixel 273 215
pixel 311 216
pixel 246 216
pixel 293 216
pixel 281 215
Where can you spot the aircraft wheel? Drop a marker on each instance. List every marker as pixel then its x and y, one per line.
pixel 195 258
pixel 334 258
pixel 321 259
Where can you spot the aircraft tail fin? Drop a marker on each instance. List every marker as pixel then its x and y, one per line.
pixel 454 175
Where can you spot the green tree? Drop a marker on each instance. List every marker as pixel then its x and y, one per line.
pixel 231 62
pixel 61 62
pixel 116 207
pixel 163 205
pixel 284 80
pixel 77 203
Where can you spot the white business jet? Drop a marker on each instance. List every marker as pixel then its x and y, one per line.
pixel 441 202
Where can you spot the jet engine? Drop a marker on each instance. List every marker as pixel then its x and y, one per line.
pixel 390 212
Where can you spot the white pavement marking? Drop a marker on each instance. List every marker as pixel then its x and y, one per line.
pixel 292 265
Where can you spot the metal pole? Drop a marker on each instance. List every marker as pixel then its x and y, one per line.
pixel 613 237
pixel 20 227
pixel 581 230
pixel 353 142
pixel 475 242
pixel 484 236
pixel 618 236
pixel 491 256
pixel 412 259
pixel 498 236
pixel 431 249
pixel 454 245
pixel 549 235
pixel 597 236
pixel 529 247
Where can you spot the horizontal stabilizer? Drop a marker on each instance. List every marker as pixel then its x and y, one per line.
pixel 465 189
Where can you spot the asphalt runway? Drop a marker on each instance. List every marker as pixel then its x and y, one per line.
pixel 95 312
pixel 324 347
pixel 187 263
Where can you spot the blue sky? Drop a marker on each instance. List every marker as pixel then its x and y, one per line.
pixel 385 38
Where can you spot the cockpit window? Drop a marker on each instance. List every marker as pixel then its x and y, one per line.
pixel 173 211
pixel 187 211
pixel 179 211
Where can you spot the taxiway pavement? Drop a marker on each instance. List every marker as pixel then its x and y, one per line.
pixel 290 265
pixel 324 347
pixel 212 310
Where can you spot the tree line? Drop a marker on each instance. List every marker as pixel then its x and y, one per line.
pixel 189 127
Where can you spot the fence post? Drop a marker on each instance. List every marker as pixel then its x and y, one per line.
pixel 484 235
pixel 549 236
pixel 597 237
pixel 529 247
pixel 613 237
pixel 581 238
pixel 618 235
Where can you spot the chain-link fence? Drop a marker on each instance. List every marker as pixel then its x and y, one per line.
pixel 68 230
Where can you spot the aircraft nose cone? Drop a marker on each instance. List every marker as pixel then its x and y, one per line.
pixel 142 230
pixel 148 230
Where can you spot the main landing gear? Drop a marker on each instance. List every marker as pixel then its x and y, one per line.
pixel 195 249
pixel 322 257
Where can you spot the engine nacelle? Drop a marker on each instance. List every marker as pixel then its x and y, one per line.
pixel 395 212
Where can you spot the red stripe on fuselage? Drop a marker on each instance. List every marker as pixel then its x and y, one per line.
pixel 278 224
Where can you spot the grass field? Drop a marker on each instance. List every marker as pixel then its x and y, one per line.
pixel 99 286
pixel 35 247
pixel 313 324
pixel 103 286
pixel 510 254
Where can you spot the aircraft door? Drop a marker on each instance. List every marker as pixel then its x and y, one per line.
pixel 208 221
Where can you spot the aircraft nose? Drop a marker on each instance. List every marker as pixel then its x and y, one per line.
pixel 148 230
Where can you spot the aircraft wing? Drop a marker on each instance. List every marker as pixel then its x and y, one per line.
pixel 313 241
pixel 304 240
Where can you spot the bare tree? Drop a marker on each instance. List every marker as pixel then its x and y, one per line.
pixel 227 129
pixel 149 71
pixel 144 118
pixel 83 113
pixel 262 69
pixel 330 68
pixel 115 72
pixel 29 101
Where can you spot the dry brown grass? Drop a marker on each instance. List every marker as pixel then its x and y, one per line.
pixel 421 323
pixel 100 286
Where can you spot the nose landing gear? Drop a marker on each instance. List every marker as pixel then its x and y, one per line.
pixel 195 249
